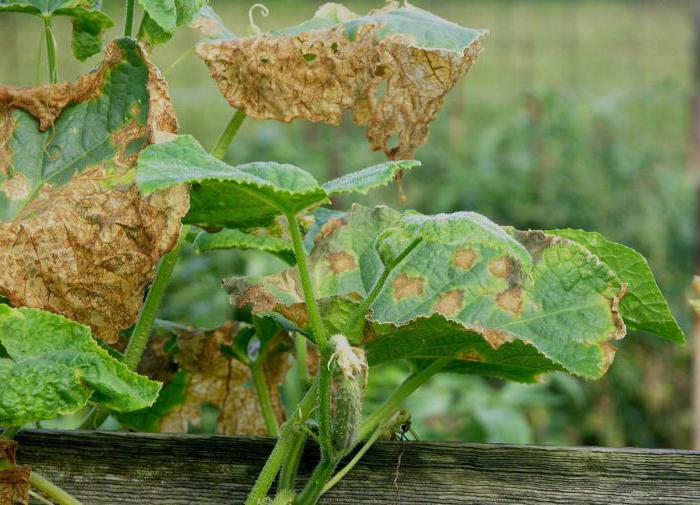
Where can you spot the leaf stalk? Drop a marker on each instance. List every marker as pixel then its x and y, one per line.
pixel 129 18
pixel 261 388
pixel 50 49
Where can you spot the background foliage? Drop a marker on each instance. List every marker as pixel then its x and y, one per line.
pixel 575 116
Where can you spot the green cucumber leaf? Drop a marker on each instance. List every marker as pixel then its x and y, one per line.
pixel 89 23
pixel 149 419
pixel 163 17
pixel 363 181
pixel 244 196
pixel 548 298
pixel 237 239
pixel 55 366
pixel 644 307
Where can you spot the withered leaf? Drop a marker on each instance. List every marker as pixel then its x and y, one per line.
pixel 14 482
pixel 392 68
pixel 212 378
pixel 76 237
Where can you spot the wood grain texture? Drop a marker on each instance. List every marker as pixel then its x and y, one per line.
pixel 125 468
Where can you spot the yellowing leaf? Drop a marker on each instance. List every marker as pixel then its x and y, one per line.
pixel 76 237
pixel 392 68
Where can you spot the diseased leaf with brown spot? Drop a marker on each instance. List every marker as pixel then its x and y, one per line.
pixel 76 237
pixel 392 68
pixel 14 482
pixel 528 303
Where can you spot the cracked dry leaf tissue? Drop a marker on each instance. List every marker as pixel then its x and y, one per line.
pixel 76 237
pixel 392 68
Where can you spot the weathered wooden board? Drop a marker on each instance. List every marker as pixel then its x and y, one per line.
pixel 119 468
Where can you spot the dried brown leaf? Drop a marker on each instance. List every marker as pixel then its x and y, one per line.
pixel 88 248
pixel 217 379
pixel 392 84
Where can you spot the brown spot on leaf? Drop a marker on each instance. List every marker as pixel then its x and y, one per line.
pixel 469 356
pixel 620 327
pixel 495 338
pixel 329 227
pixel 609 351
pixel 342 262
pixel 16 187
pixel 500 267
pixel 87 249
pixel 391 86
pixel 450 303
pixel 7 125
pixel 510 300
pixel 406 286
pixel 464 258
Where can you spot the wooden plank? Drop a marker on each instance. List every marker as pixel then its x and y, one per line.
pixel 120 468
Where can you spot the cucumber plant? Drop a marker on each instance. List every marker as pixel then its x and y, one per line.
pixel 98 192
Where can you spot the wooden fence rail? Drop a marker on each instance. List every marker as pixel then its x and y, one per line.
pixel 119 468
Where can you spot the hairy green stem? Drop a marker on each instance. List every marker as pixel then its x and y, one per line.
pixel 377 288
pixel 221 148
pixel 290 467
pixel 316 483
pixel 282 448
pixel 37 67
pixel 149 311
pixel 261 388
pixel 47 487
pixel 129 18
pixel 302 362
pixel 50 49
pixel 392 404
pixel 324 375
pixel 357 457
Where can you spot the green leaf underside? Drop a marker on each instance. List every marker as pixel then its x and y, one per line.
pixel 149 419
pixel 89 23
pixel 644 307
pixel 550 294
pixel 162 17
pixel 82 136
pixel 421 28
pixel 367 179
pixel 247 195
pixel 237 239
pixel 55 366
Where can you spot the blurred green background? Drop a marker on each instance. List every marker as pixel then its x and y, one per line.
pixel 576 115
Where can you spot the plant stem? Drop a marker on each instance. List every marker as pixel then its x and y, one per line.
pixel 51 490
pixel 282 448
pixel 357 457
pixel 47 487
pixel 302 364
pixel 149 311
pixel 144 325
pixel 324 374
pixel 10 432
pixel 50 49
pixel 316 483
pixel 129 18
pixel 37 67
pixel 291 466
pixel 391 405
pixel 261 388
pixel 221 148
